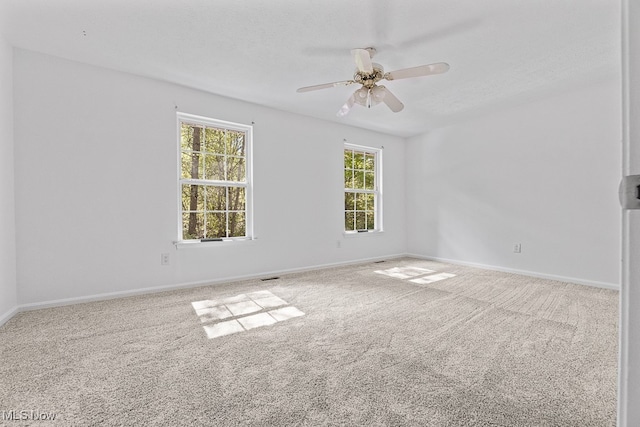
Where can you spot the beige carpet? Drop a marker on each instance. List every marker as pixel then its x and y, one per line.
pixel 404 342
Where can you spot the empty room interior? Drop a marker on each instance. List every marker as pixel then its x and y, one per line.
pixel 296 213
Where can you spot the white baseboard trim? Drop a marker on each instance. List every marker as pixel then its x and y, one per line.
pixel 592 283
pixel 5 317
pixel 226 280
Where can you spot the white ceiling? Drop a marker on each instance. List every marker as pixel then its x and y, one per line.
pixel 501 52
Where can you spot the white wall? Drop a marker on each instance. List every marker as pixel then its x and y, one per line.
pixel 544 174
pixel 8 291
pixel 96 185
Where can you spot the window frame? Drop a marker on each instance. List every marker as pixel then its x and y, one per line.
pixel 247 185
pixel 377 191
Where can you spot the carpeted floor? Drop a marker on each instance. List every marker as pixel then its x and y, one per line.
pixel 397 343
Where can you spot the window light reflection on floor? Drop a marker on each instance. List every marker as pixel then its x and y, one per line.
pixel 414 272
pixel 244 312
pixel 432 278
pixel 404 272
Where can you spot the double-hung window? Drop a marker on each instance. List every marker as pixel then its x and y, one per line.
pixel 362 189
pixel 215 179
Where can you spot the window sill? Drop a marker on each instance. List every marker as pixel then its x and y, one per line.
pixel 213 243
pixel 353 234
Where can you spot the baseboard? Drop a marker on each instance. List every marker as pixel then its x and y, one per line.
pixel 5 317
pixel 226 280
pixel 592 283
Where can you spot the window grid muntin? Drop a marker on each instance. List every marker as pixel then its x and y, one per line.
pixel 367 212
pixel 205 210
pixel 230 135
pixel 370 165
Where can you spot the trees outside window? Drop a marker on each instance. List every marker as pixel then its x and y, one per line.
pixel 362 189
pixel 215 179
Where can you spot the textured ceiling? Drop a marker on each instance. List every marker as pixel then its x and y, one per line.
pixel 501 52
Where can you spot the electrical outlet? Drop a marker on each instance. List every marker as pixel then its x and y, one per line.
pixel 164 259
pixel 517 248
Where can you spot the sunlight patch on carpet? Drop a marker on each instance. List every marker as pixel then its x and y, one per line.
pixel 414 273
pixel 432 278
pixel 242 312
pixel 404 272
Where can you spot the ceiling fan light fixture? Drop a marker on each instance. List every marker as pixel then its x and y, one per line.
pixel 377 93
pixel 361 96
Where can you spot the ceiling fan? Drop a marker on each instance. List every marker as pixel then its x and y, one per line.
pixel 368 74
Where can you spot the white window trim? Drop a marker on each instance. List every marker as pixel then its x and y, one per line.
pixel 248 130
pixel 379 220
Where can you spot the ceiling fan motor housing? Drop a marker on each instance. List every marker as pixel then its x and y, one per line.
pixel 369 80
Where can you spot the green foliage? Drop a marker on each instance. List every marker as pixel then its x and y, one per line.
pixel 358 160
pixel 213 167
pixel 370 162
pixel 349 201
pixel 349 221
pixel 216 225
pixel 359 211
pixel 359 176
pixel 211 209
pixel 359 170
pixel 369 181
pixel 348 159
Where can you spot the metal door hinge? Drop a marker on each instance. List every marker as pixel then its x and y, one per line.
pixel 629 192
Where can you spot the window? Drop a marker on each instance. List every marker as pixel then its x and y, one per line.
pixel 215 179
pixel 362 189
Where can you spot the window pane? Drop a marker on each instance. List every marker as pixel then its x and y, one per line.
pixel 214 167
pixel 235 143
pixel 349 223
pixel 361 221
pixel 191 165
pixel 193 225
pixel 358 180
pixel 192 197
pixel 185 137
pixel 358 160
pixel 369 180
pixel 237 199
pixel 236 169
pixel 214 141
pixel 370 221
pixel 216 224
pixel 370 202
pixel 190 137
pixel 369 161
pixel 348 178
pixel 349 201
pixel 185 168
pixel 237 226
pixel 348 159
pixel 361 201
pixel 185 197
pixel 196 138
pixel 216 198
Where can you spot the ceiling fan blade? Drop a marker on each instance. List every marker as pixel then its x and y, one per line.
pixel 325 86
pixel 390 99
pixel 422 70
pixel 363 60
pixel 346 107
